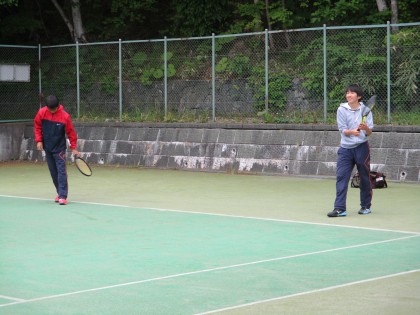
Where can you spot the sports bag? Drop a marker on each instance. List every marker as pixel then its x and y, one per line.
pixel 377 180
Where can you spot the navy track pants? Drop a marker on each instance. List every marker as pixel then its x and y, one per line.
pixel 57 166
pixel 347 158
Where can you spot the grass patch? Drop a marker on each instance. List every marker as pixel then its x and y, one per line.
pixel 291 117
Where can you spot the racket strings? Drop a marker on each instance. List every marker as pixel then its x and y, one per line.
pixel 83 167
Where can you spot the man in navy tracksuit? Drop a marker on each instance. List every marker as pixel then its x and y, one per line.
pixel 51 124
pixel 354 150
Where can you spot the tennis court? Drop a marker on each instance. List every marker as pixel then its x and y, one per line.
pixel 141 241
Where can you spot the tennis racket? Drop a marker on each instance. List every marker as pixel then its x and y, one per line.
pixel 82 166
pixel 370 104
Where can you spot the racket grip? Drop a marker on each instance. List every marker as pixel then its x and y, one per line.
pixel 363 121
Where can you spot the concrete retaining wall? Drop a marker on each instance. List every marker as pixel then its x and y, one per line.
pixel 10 141
pixel 260 149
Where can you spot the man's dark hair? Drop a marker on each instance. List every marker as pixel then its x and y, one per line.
pixel 51 101
pixel 356 89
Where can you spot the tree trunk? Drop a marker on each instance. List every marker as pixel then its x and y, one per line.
pixel 286 34
pixel 79 32
pixel 76 29
pixel 394 16
pixel 65 19
pixel 270 37
pixel 257 26
pixel 381 5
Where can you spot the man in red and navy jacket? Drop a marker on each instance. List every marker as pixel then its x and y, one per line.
pixel 51 125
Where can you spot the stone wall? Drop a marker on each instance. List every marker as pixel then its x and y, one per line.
pixel 11 135
pixel 260 149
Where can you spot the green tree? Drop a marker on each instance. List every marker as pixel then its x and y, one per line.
pixel 197 18
pixel 127 19
pixel 340 12
pixel 356 56
pixel 51 21
pixel 19 23
pixel 406 62
pixel 75 25
pixel 8 2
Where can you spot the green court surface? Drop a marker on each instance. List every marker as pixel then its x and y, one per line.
pixel 140 241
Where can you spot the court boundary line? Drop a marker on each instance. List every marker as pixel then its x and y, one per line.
pixel 309 292
pixel 221 215
pixel 49 297
pixel 11 298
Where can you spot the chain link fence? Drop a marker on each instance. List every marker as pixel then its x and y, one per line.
pixel 293 76
pixel 142 81
pixel 19 99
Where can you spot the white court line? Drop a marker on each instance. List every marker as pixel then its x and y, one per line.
pixel 223 215
pixel 309 292
pixel 11 298
pixel 205 271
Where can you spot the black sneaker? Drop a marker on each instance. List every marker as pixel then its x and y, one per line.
pixel 337 213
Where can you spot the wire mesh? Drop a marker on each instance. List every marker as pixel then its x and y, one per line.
pixel 142 81
pixel 405 73
pixel 19 100
pixel 189 79
pixel 294 76
pixel 240 76
pixel 99 81
pixel 357 56
pixel 58 76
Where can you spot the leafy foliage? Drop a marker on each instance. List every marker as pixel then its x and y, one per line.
pixel 147 67
pixel 33 22
pixel 8 2
pixel 363 62
pixel 406 61
pixel 278 85
pixel 352 56
pixel 238 66
pixel 197 17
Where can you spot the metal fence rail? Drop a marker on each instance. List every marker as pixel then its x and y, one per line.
pixel 294 76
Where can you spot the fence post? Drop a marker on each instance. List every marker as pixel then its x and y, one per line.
pixel 388 69
pixel 165 74
pixel 266 71
pixel 39 75
pixel 325 73
pixel 78 79
pixel 213 76
pixel 120 75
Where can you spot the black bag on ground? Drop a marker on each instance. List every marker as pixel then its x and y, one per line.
pixel 377 180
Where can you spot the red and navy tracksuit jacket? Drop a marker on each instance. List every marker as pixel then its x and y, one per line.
pixel 51 129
